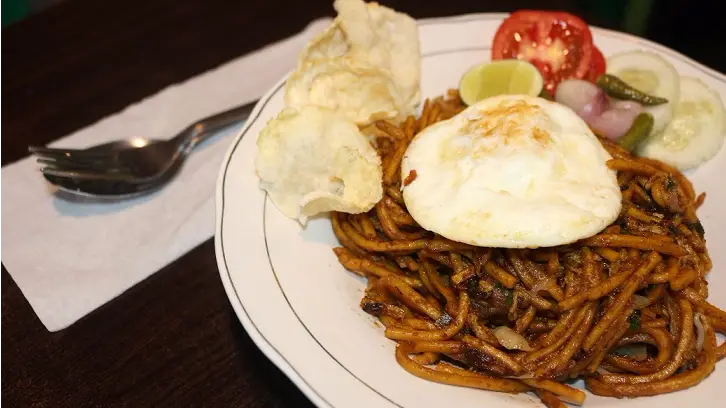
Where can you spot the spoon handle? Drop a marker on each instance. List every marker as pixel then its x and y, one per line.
pixel 204 128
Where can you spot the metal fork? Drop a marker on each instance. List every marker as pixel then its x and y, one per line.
pixel 128 168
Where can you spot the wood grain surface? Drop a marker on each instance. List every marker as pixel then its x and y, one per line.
pixel 173 340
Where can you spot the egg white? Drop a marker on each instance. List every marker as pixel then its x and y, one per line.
pixel 511 171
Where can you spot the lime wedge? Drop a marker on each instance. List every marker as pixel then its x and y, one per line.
pixel 502 77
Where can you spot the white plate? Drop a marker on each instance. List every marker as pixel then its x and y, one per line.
pixel 301 307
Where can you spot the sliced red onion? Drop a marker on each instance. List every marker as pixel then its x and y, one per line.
pixel 511 340
pixel 700 331
pixel 640 301
pixel 603 371
pixel 627 105
pixel 637 352
pixel 583 97
pixel 608 118
pixel 615 122
pixel 527 376
pixel 544 284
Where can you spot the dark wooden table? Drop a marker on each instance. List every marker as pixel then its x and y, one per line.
pixel 173 340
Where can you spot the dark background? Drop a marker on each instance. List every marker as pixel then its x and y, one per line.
pixel 173 340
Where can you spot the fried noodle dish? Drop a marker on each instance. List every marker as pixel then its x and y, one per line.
pixel 625 310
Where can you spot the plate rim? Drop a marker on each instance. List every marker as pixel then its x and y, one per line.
pixel 257 336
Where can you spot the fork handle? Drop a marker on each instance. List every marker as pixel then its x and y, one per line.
pixel 204 128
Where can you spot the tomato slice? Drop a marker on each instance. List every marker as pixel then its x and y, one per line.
pixel 559 44
pixel 597 65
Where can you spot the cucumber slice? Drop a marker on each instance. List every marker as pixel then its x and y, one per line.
pixel 696 132
pixel 651 74
pixel 662 115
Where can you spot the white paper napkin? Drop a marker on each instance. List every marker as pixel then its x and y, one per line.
pixel 68 258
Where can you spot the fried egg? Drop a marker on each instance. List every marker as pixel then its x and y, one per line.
pixel 315 160
pixel 511 171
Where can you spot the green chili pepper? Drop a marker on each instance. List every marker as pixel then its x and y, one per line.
pixel 639 131
pixel 619 89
